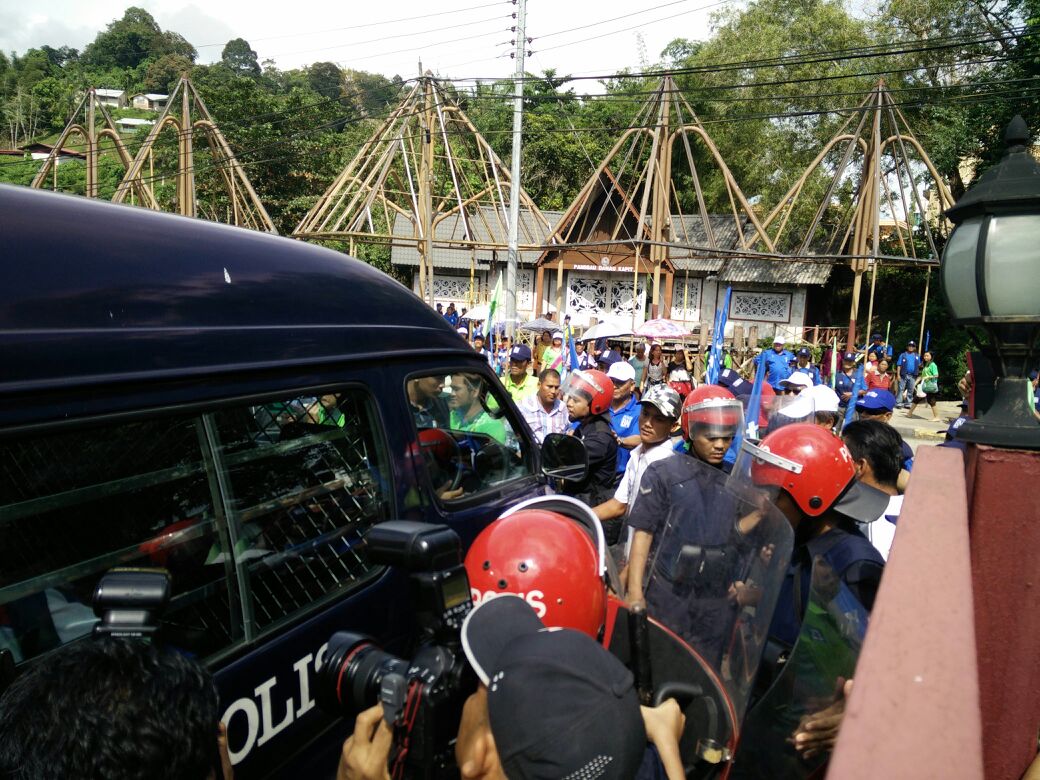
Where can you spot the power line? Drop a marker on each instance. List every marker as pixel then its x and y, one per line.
pixel 628 29
pixel 367 24
pixel 404 35
pixel 613 19
pixel 876 50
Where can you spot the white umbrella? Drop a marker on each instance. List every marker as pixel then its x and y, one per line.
pixel 480 312
pixel 606 330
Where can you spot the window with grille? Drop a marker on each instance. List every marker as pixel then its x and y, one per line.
pixel 257 511
pixel 302 479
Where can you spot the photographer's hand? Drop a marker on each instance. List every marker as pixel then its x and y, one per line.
pixel 365 754
pixel 227 771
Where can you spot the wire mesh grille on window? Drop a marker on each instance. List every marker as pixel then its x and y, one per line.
pixel 306 484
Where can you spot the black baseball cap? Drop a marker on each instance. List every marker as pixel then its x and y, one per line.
pixel 560 705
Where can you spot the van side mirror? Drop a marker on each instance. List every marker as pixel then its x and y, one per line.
pixel 564 457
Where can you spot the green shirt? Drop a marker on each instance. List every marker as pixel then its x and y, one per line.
pixel 525 389
pixel 481 423
pixel 930 375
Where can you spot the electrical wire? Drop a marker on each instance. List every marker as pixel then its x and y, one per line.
pixel 367 24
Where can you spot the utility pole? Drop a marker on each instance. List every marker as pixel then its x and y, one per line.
pixel 426 194
pixel 514 172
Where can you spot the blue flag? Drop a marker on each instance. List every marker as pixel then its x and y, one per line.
pixel 718 338
pixel 859 384
pixel 574 351
pixel 755 402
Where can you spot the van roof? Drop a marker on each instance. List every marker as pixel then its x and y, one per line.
pixel 95 292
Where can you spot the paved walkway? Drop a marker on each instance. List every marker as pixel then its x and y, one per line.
pixel 921 429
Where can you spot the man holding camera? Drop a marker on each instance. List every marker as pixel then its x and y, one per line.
pixel 550 704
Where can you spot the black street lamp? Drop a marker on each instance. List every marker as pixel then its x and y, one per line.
pixel 991 277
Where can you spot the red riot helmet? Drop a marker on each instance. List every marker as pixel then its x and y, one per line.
pixel 714 407
pixel 591 385
pixel 815 467
pixel 551 552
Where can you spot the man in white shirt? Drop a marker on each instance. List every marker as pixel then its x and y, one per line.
pixel 876 450
pixel 659 413
pixel 544 412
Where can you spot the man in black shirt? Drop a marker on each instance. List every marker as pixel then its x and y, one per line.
pixel 588 395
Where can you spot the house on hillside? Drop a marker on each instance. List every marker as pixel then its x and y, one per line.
pixel 113 98
pixel 149 101
pixel 40 151
pixel 129 124
pixel 466 276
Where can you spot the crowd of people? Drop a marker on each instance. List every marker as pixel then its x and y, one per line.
pixel 675 464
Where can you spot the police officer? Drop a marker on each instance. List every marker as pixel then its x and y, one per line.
pixel 681 502
pixel 588 395
pixel 811 478
pixel 778 362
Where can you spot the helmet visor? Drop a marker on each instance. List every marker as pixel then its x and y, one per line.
pixel 583 386
pixel 715 418
pixel 758 474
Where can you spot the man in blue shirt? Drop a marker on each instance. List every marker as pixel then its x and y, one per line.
pixel 907 368
pixel 778 363
pixel 624 411
pixel 878 347
pixel 845 382
pixel 804 356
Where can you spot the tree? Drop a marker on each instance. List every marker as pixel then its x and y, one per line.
pixel 129 41
pixel 326 79
pixel 162 74
pixel 240 59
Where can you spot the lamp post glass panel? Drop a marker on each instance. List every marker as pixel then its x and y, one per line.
pixel 991 278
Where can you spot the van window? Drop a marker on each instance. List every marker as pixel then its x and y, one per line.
pixel 74 504
pixel 303 479
pixel 257 511
pixel 467 440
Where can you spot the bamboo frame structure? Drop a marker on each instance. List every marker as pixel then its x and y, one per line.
pixel 184 104
pixel 84 123
pixel 874 157
pixel 426 163
pixel 641 165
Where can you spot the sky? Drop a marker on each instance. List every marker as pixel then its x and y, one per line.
pixel 454 38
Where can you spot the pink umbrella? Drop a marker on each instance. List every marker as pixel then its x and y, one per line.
pixel 662 329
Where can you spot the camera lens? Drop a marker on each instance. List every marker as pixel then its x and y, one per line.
pixel 349 678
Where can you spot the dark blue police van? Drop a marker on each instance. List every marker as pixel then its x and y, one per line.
pixel 238 409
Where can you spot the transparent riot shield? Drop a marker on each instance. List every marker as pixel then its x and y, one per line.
pixel 808 679
pixel 714 571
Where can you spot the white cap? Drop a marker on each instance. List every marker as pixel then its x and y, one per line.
pixel 462 332
pixel 623 371
pixel 779 340
pixel 797 379
pixel 558 335
pixel 819 398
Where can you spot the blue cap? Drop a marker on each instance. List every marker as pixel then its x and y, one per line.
pixel 609 357
pixel 955 426
pixel 876 401
pixel 803 352
pixel 520 353
pixel 727 377
pixel 849 356
pixel 1033 375
pixel 875 337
